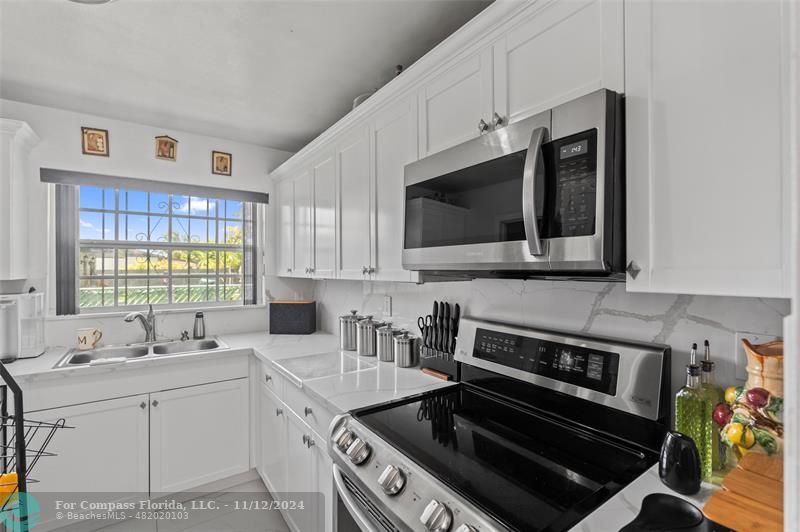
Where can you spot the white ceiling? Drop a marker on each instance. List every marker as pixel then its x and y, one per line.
pixel 274 73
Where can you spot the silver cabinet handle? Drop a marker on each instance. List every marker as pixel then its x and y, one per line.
pixel 267 377
pixel 483 127
pixel 307 411
pixel 306 437
pixel 534 166
pixel 371 270
pixel 497 120
pixel 279 411
pixel 288 270
pixel 155 402
pixel 364 270
pixel 633 270
pixel 143 405
pixel 310 442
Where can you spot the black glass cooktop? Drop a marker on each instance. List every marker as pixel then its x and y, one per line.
pixel 530 472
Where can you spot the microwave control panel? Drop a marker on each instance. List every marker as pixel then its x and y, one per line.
pixel 571 188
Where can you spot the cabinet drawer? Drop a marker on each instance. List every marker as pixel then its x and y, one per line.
pixel 309 410
pixel 272 379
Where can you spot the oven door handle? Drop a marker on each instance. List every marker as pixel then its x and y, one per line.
pixel 358 516
pixel 534 166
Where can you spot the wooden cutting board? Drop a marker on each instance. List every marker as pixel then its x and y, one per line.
pixel 751 497
pixel 740 513
pixel 763 465
pixel 763 490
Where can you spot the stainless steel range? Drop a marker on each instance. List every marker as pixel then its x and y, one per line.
pixel 542 429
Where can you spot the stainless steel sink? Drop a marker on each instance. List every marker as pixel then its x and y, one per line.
pixel 121 354
pixel 185 346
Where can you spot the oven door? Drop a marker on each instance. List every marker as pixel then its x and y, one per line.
pixel 537 196
pixel 355 511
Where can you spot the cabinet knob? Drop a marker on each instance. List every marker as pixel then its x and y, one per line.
pixel 633 269
pixel 364 270
pixel 288 270
pixel 483 127
pixel 371 270
pixel 267 378
pixel 497 120
pixel 279 411
pixel 310 442
pixel 155 402
pixel 305 439
pixel 143 405
pixel 307 411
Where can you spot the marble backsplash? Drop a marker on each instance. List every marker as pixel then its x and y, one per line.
pixel 599 308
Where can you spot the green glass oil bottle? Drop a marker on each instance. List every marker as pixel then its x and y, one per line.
pixel 714 395
pixel 693 414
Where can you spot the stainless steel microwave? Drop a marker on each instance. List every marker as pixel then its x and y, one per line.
pixel 540 197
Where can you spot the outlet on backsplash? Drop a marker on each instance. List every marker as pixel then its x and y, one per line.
pixel 741 357
pixel 387 306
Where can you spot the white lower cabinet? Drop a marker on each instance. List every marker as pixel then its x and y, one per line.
pixel 293 462
pixel 198 435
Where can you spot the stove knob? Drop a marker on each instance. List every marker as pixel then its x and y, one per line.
pixel 392 480
pixel 343 438
pixel 358 452
pixel 436 517
pixel 466 528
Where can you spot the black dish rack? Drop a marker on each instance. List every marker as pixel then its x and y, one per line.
pixel 24 442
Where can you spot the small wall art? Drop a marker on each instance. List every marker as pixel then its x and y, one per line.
pixel 221 163
pixel 166 148
pixel 94 141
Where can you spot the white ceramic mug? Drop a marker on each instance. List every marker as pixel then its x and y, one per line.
pixel 88 338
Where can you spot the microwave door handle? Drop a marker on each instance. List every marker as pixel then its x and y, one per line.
pixel 534 165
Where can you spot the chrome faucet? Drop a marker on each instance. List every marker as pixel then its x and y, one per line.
pixel 148 323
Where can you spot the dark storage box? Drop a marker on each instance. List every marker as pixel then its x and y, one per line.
pixel 292 317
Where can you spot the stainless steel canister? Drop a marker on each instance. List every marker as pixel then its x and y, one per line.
pixel 367 337
pixel 347 330
pixel 406 350
pixel 385 344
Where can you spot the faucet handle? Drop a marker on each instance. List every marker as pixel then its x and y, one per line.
pixel 184 336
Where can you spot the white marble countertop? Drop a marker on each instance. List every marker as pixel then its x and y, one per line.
pixel 623 507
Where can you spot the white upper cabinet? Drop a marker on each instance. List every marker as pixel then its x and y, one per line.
pixel 394 136
pixel 558 52
pixel 324 235
pixel 16 141
pixel 353 161
pixel 303 194
pixel 455 104
pixel 707 95
pixel 284 220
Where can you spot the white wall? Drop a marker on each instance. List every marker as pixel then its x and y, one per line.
pixel 598 308
pixel 131 154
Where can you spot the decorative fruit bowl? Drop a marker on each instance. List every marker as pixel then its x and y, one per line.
pixel 751 420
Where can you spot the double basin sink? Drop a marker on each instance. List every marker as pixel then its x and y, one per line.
pixel 117 354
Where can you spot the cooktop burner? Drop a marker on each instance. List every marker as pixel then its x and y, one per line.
pixel 513 462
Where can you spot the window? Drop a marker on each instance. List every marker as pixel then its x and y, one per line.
pixel 128 248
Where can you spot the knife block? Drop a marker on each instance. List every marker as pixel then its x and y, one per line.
pixel 442 361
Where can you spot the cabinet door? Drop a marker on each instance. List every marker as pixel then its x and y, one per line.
pixel 303 223
pixel 395 145
pixel 452 104
pixel 707 147
pixel 272 452
pixel 284 218
pixel 198 435
pixel 301 480
pixel 353 166
pixel 105 451
pixel 324 477
pixel 324 234
pixel 559 52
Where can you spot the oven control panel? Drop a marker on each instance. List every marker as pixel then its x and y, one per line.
pixel 588 368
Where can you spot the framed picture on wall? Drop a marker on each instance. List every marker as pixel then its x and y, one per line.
pixel 166 148
pixel 221 163
pixel 94 141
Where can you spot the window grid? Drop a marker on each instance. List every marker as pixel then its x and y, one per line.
pixel 199 282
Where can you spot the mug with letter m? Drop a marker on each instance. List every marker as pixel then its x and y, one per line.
pixel 88 338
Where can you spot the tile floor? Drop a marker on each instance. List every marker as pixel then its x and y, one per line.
pixel 220 520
